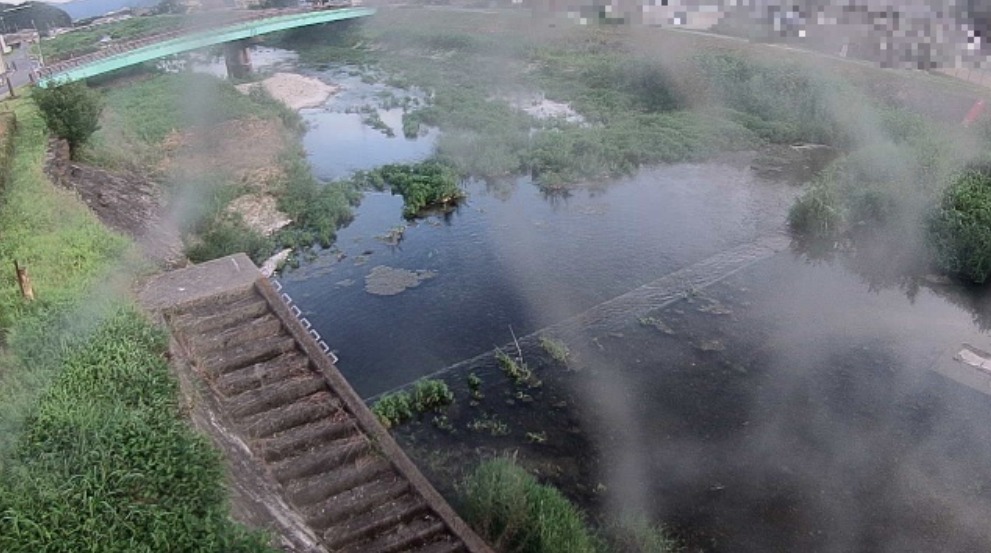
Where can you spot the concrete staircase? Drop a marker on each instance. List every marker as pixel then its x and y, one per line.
pixel 334 463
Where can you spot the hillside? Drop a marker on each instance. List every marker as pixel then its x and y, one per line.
pixel 82 9
pixel 45 16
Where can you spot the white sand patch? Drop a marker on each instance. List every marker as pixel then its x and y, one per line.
pixel 259 212
pixel 295 91
pixel 539 107
pixel 273 263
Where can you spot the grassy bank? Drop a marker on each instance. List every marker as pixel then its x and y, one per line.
pixel 94 452
pixel 212 144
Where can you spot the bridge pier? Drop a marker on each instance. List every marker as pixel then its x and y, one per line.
pixel 237 59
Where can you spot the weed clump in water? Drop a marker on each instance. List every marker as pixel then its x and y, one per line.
pixel 398 407
pixel 422 185
pixel 556 349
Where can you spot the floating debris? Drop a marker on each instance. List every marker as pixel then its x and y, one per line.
pixel 715 307
pixel 711 345
pixel 344 283
pixel 389 281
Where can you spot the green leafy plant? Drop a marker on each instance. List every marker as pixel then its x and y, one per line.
pixel 71 111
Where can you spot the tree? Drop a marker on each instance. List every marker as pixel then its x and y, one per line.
pixel 71 111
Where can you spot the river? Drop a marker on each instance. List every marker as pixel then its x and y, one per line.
pixel 750 398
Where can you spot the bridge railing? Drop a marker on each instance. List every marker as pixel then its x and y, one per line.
pixel 205 21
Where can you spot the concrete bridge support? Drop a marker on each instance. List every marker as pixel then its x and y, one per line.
pixel 237 59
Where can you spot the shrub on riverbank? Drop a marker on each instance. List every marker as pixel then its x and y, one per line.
pixel 960 227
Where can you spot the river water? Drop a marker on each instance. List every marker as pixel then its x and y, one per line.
pixel 749 398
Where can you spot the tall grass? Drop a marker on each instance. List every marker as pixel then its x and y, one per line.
pixel 106 462
pixel 517 514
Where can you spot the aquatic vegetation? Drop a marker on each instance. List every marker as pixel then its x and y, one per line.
pixel 422 185
pixel 515 368
pixel 428 395
pixel 536 437
pixel 959 229
pixel 475 387
pixel 374 120
pixel 490 424
pixel 557 349
pixel 431 395
pixel 816 213
pixel 389 281
pixel 393 409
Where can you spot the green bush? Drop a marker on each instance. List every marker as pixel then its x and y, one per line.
pixel 71 111
pixel 959 229
pixel 394 409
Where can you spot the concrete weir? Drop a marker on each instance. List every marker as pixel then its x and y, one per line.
pixel 307 459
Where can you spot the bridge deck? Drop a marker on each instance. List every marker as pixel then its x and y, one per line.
pixel 207 29
pixel 329 462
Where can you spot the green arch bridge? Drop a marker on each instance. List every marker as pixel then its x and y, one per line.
pixel 229 27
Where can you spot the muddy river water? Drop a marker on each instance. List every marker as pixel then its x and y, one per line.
pixel 748 398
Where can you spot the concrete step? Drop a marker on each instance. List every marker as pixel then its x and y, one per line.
pixel 221 316
pixel 218 303
pixel 406 537
pixel 236 336
pixel 301 438
pixel 374 523
pixel 279 393
pixel 307 491
pixel 260 350
pixel 280 419
pixel 355 501
pixel 321 459
pixel 290 364
pixel 444 544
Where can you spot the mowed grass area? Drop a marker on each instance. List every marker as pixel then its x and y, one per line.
pixel 95 454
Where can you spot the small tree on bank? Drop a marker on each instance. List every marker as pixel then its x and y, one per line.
pixel 71 111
